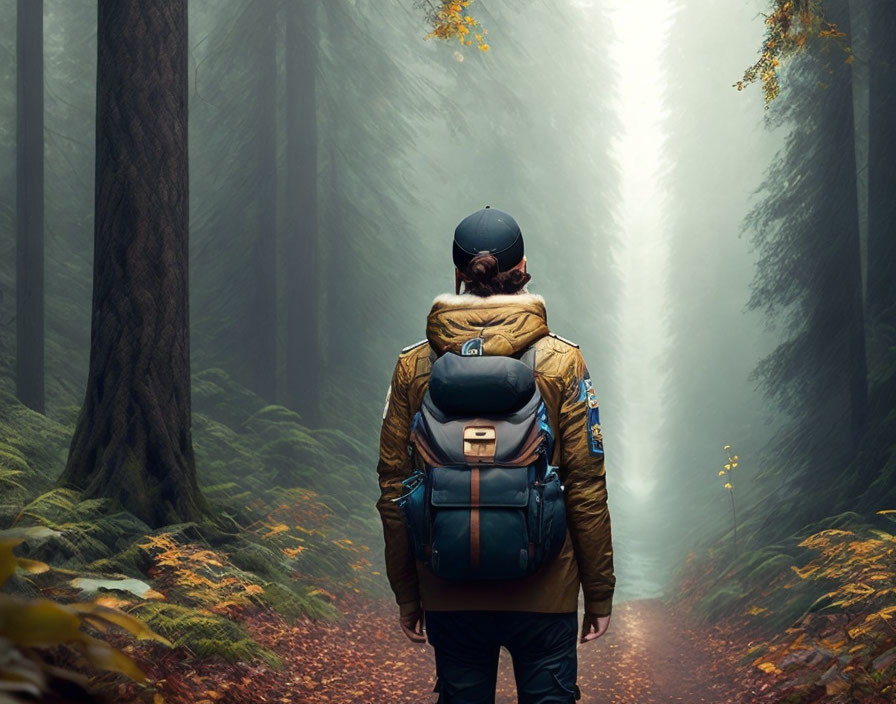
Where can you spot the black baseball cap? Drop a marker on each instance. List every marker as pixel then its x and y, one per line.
pixel 488 230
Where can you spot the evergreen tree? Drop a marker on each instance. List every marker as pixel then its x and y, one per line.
pixel 303 348
pixel 809 277
pixel 132 440
pixel 30 205
pixel 882 177
pixel 235 183
pixel 263 317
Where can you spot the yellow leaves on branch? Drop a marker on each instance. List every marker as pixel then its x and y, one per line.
pixel 274 530
pixel 806 571
pixel 207 577
pixel 789 28
pixel 450 20
pixel 728 467
pixel 860 566
pixel 855 621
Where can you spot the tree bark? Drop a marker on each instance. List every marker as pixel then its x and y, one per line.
pixel 882 176
pixel 263 321
pixel 842 331
pixel 858 19
pixel 133 441
pixel 30 204
pixel 303 364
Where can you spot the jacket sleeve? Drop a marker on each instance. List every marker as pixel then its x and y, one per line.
pixel 582 471
pixel 394 466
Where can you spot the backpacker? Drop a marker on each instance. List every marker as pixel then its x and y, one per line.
pixel 484 501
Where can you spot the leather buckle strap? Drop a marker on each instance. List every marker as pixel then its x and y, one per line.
pixel 474 518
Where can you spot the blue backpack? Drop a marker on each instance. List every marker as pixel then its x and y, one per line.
pixel 484 501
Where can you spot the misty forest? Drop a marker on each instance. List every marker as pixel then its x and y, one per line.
pixel 222 220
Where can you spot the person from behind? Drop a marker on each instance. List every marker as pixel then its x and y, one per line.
pixel 493 491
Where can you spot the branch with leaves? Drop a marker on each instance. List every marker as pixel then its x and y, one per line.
pixel 789 28
pixel 844 644
pixel 450 19
pixel 726 472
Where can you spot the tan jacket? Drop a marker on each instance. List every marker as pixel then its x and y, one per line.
pixel 507 324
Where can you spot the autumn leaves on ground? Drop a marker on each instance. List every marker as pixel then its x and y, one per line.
pixel 280 598
pixel 801 622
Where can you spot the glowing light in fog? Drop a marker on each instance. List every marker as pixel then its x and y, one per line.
pixel 641 30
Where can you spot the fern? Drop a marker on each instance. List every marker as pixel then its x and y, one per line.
pixel 203 633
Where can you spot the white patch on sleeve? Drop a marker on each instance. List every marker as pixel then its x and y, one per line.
pixel 388 397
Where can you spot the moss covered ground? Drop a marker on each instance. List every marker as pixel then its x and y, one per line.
pixel 292 517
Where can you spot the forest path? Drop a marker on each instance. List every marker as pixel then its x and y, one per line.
pixel 647 656
pixel 650 656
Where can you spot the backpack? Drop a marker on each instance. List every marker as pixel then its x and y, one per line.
pixel 484 502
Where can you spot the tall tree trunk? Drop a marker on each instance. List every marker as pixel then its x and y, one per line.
pixel 335 296
pixel 840 327
pixel 810 272
pixel 132 441
pixel 263 321
pixel 30 204
pixel 858 20
pixel 303 364
pixel 882 176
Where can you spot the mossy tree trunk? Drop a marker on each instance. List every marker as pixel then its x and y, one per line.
pixel 132 441
pixel 30 204
pixel 303 364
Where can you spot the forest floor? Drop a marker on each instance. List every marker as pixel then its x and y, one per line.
pixel 648 655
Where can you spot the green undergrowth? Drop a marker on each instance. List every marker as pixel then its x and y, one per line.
pixel 203 634
pixel 717 584
pixel 809 617
pixel 718 587
pixel 33 449
pixel 292 517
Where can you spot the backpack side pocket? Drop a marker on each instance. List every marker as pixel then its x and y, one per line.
pixel 552 517
pixel 415 512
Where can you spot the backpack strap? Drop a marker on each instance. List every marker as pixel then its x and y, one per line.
pixel 528 356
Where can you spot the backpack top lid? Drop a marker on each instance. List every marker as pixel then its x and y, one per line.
pixel 480 385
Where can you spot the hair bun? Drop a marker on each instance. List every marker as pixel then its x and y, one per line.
pixel 483 267
pixel 483 278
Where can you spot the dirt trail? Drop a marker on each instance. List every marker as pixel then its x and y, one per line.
pixel 646 657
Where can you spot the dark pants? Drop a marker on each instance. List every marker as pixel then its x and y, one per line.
pixel 467 645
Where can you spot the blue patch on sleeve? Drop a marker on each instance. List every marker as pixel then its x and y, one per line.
pixel 546 429
pixel 592 429
pixel 595 437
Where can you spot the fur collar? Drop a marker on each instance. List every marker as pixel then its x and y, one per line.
pixel 466 299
